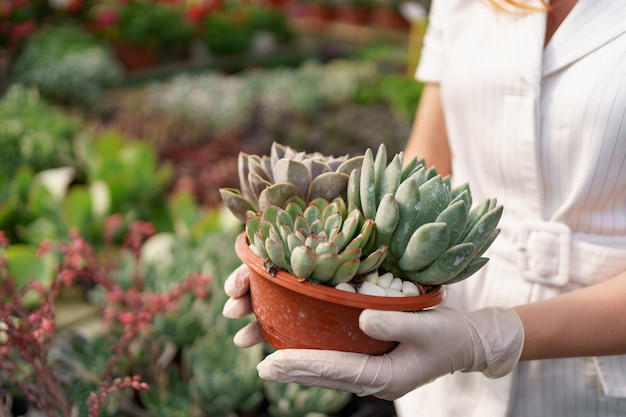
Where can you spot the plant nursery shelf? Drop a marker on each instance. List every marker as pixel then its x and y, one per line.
pixel 347 32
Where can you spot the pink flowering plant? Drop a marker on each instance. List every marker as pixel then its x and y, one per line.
pixel 18 19
pixel 30 365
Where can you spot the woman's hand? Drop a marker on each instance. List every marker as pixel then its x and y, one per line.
pixel 237 287
pixel 433 343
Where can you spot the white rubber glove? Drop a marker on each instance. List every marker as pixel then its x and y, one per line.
pixel 433 343
pixel 237 287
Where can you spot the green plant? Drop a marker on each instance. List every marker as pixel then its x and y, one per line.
pixel 109 175
pixel 293 400
pixel 434 235
pixel 66 64
pixel 271 20
pixel 402 92
pixel 152 24
pixel 136 180
pixel 227 32
pixel 34 136
pixel 426 231
pixel 285 173
pixel 319 242
pixel 216 370
pixel 210 102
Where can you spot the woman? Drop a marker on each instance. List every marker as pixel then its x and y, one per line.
pixel 527 104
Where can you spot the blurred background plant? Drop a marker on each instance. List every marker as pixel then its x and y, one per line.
pixel 151 24
pixel 85 163
pixel 66 64
pixel 34 136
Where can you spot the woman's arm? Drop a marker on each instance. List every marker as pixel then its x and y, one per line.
pixel 587 322
pixel 428 138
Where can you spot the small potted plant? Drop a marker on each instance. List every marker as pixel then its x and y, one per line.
pixel 326 234
pixel 143 31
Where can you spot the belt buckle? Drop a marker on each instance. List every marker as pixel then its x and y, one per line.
pixel 564 236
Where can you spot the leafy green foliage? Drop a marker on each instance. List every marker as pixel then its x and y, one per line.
pixel 33 136
pixel 402 92
pixel 151 24
pixel 66 64
pixel 293 400
pixel 224 34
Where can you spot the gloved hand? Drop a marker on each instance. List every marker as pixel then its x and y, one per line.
pixel 433 343
pixel 237 287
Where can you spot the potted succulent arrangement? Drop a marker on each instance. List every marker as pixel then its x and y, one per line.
pixel 327 237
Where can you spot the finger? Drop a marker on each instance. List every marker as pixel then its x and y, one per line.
pixel 398 326
pixel 321 368
pixel 238 282
pixel 248 336
pixel 236 308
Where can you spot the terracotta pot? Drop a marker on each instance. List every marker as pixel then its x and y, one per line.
pixel 135 57
pixel 351 15
pixel 294 314
pixel 388 19
pixel 318 13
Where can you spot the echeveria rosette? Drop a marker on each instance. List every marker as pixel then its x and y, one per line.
pixel 320 241
pixel 433 235
pixel 272 180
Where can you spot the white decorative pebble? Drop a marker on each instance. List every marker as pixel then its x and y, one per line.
pixel 368 288
pixel 409 289
pixel 394 293
pixel 344 286
pixel 372 277
pixel 385 280
pixel 396 284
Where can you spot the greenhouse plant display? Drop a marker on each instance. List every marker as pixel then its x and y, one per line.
pixel 142 31
pixel 391 235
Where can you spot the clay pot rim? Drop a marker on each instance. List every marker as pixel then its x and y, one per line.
pixel 330 294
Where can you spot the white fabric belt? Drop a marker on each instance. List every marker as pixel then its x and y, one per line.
pixel 550 253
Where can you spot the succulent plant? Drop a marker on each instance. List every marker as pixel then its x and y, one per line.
pixel 434 235
pixel 320 242
pixel 272 180
pixel 329 220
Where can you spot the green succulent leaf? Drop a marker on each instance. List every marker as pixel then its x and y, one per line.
pixel 447 266
pixel 276 254
pixel 303 261
pixel 345 272
pixel 475 264
pixel 259 246
pixel 372 261
pixel 409 205
pixel 325 267
pixel 387 218
pixel 350 165
pixel 257 183
pixel 380 165
pixel 354 193
pixel 426 244
pixel 277 195
pixel 329 186
pixel 435 198
pixel 455 216
pixel 392 177
pixel 236 203
pixel 481 231
pixel 367 187
pixel 294 172
pixel 326 248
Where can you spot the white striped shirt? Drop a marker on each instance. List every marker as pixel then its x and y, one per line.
pixel 544 131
